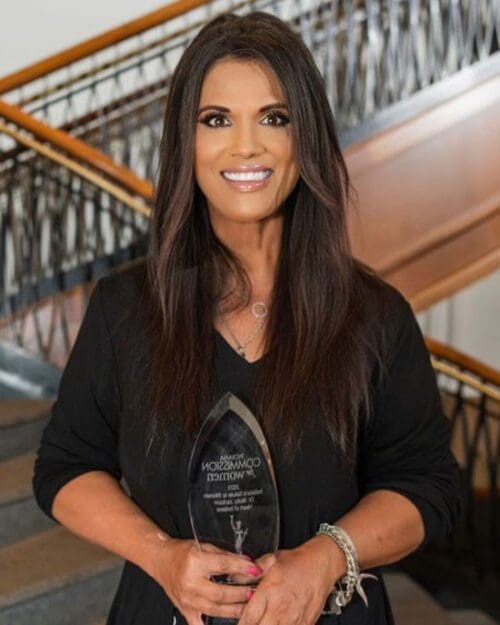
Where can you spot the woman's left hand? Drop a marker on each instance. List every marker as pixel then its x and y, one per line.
pixel 295 584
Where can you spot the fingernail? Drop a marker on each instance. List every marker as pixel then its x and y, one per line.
pixel 254 570
pixel 250 594
pixel 247 558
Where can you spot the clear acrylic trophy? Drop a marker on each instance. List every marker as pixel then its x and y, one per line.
pixel 233 499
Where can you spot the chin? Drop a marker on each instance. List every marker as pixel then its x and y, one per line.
pixel 247 216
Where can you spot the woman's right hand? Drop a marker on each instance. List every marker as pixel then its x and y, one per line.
pixel 184 571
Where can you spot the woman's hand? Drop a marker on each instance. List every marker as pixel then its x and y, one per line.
pixel 295 584
pixel 184 571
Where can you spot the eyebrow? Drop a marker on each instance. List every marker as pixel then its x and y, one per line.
pixel 264 109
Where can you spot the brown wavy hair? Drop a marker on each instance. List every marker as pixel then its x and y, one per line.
pixel 318 344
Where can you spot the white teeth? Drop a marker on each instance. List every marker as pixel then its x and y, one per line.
pixel 250 175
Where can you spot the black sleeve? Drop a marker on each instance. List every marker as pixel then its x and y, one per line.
pixel 407 443
pixel 82 433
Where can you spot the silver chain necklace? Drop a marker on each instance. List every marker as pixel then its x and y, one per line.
pixel 259 311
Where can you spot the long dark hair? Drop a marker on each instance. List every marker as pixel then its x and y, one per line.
pixel 318 345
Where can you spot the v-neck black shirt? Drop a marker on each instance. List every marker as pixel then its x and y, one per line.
pixel 99 422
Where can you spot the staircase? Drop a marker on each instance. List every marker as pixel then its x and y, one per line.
pixel 412 605
pixel 49 576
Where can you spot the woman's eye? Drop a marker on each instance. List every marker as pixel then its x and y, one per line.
pixel 283 119
pixel 206 120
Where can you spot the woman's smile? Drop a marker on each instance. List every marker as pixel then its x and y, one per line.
pixel 247 181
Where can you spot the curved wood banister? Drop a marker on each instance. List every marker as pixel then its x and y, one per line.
pixel 114 190
pixel 455 281
pixel 105 111
pixel 486 373
pixel 469 380
pixel 97 43
pixel 433 226
pixel 79 150
pixel 444 233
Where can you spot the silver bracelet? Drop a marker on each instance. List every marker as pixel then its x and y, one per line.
pixel 344 589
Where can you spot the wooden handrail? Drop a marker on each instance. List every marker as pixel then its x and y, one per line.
pixel 107 111
pixel 467 378
pixel 81 171
pixel 486 373
pixel 79 150
pixel 97 43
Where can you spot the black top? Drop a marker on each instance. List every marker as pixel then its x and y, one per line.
pixel 99 422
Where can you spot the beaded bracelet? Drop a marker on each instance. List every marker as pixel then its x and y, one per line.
pixel 344 589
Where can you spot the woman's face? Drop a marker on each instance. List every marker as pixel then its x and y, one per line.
pixel 242 132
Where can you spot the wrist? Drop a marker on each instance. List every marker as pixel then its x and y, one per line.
pixel 335 562
pixel 352 577
pixel 156 549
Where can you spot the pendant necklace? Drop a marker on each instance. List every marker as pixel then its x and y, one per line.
pixel 259 311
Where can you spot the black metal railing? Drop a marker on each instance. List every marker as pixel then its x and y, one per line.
pixel 472 403
pixel 61 224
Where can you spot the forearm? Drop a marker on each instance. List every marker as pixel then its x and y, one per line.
pixel 95 507
pixel 384 527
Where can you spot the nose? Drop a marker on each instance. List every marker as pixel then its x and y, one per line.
pixel 246 142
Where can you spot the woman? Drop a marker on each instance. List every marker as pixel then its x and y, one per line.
pixel 249 287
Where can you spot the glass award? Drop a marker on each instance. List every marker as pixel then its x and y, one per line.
pixel 233 499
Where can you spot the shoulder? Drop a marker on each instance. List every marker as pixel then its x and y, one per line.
pixel 383 299
pixel 385 310
pixel 125 281
pixel 125 285
pixel 123 293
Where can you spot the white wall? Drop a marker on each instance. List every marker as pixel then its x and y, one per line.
pixel 470 320
pixel 33 29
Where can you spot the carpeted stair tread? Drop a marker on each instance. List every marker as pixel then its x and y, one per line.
pixel 15 478
pixel 411 604
pixel 471 617
pixel 17 411
pixel 48 561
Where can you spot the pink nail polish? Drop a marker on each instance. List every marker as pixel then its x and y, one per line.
pixel 254 570
pixel 250 594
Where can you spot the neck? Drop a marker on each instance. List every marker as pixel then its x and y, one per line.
pixel 257 246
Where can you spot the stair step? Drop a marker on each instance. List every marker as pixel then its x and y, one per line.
pixel 21 425
pixel 411 604
pixel 16 411
pixel 55 577
pixel 15 478
pixel 470 617
pixel 22 374
pixel 19 513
